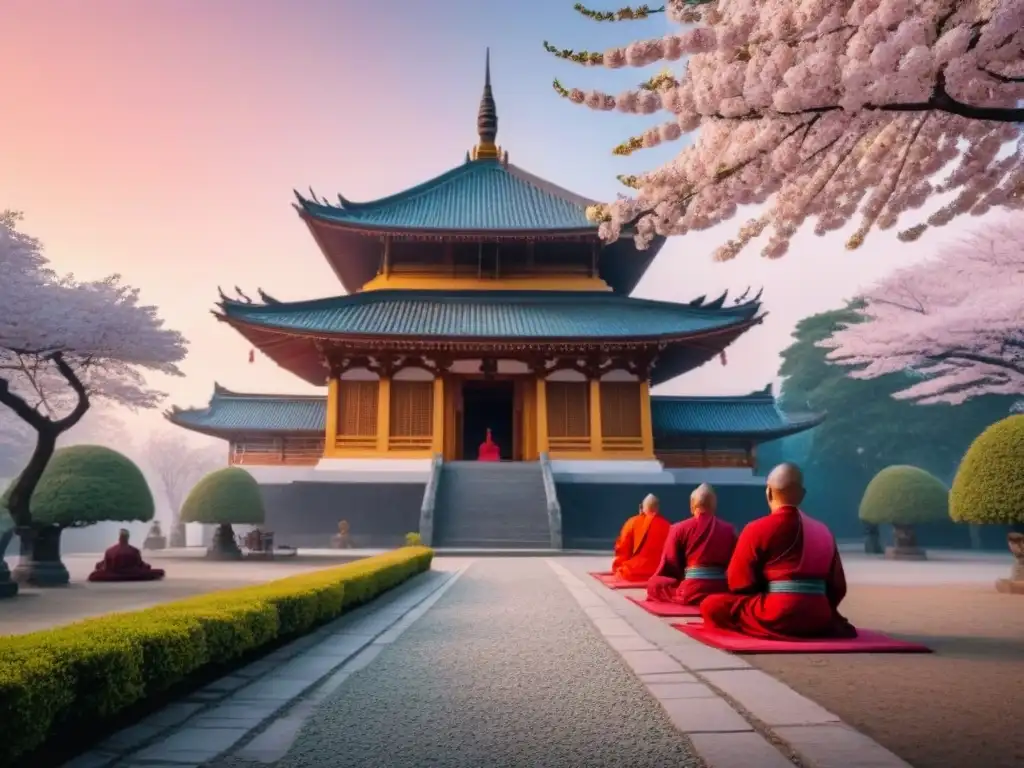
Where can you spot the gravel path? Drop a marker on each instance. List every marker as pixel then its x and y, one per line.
pixel 505 670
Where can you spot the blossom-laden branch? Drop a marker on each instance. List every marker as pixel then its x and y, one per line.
pixel 626 13
pixel 64 343
pixel 906 87
pixel 955 321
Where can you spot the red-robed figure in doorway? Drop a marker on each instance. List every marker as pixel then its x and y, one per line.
pixel 786 572
pixel 696 554
pixel 489 450
pixel 641 542
pixel 123 562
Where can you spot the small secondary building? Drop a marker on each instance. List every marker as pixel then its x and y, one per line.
pixel 483 302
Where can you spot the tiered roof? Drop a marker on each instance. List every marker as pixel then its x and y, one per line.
pixel 486 199
pixel 293 333
pixel 755 416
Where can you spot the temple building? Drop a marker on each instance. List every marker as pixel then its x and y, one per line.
pixel 487 373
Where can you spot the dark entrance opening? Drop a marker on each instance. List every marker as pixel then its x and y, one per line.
pixel 487 405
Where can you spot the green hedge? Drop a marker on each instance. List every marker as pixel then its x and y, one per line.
pixel 81 675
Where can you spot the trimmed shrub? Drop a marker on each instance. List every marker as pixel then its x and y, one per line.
pixel 86 484
pixel 81 675
pixel 989 484
pixel 904 495
pixel 229 496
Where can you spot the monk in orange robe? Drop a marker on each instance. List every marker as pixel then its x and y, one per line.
pixel 489 450
pixel 786 572
pixel 696 554
pixel 123 562
pixel 641 542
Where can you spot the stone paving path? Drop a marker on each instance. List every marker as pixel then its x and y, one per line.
pixel 505 670
pixel 496 662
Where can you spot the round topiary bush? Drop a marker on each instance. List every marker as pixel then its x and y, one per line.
pixel 224 498
pixel 904 496
pixel 81 485
pixel 989 488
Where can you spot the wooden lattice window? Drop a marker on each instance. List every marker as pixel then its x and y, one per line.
pixel 412 408
pixel 357 408
pixel 620 409
pixel 568 408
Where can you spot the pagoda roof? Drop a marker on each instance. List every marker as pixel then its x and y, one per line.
pixel 758 415
pixel 295 334
pixel 755 416
pixel 479 196
pixel 235 412
pixel 440 314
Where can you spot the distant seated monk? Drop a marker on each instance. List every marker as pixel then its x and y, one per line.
pixel 786 572
pixel 489 450
pixel 696 554
pixel 641 542
pixel 123 562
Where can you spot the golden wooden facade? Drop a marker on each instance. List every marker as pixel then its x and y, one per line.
pixel 392 414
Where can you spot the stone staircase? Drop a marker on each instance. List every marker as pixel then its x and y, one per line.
pixel 500 505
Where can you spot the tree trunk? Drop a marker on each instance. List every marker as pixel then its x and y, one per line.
pixel 975 534
pixel 224 546
pixel 40 564
pixel 176 536
pixel 872 539
pixel 8 588
pixel 905 545
pixel 23 488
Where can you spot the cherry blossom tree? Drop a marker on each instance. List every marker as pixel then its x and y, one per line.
pixel 63 343
pixel 957 321
pixel 821 110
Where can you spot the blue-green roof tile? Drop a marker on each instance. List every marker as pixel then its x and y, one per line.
pixel 476 196
pixel 236 412
pixel 491 315
pixel 756 414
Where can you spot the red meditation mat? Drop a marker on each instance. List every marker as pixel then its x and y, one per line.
pixel 867 641
pixel 614 582
pixel 666 610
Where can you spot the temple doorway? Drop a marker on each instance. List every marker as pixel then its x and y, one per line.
pixel 488 405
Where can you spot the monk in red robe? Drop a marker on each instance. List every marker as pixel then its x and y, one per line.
pixel 123 562
pixel 696 554
pixel 489 450
pixel 641 542
pixel 786 573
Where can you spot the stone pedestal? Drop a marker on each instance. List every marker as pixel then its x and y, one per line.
pixel 8 588
pixel 40 564
pixel 1010 587
pixel 905 553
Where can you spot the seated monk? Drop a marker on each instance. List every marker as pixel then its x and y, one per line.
pixel 123 562
pixel 489 450
pixel 786 573
pixel 641 542
pixel 696 554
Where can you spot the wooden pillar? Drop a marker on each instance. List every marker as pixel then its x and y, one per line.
pixel 437 435
pixel 333 409
pixel 646 427
pixel 543 446
pixel 383 414
pixel 596 444
pixel 387 256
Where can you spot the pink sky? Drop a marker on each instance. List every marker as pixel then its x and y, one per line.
pixel 161 140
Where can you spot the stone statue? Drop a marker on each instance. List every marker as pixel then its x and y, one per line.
pixel 155 539
pixel 341 540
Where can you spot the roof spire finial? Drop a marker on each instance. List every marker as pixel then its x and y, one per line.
pixel 487 119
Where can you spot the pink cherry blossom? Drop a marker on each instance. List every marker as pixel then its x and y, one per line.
pixel 65 342
pixel 826 112
pixel 957 321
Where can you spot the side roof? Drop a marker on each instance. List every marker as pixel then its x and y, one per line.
pixel 675 419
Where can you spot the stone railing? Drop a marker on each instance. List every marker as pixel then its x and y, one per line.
pixel 429 500
pixel 554 508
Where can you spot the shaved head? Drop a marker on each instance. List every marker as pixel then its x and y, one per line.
pixel 703 499
pixel 785 486
pixel 650 503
